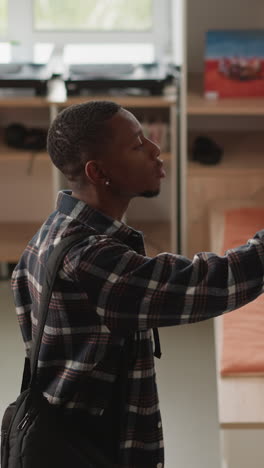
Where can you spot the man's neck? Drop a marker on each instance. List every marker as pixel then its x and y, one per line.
pixel 105 204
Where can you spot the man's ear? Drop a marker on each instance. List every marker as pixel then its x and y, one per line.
pixel 94 172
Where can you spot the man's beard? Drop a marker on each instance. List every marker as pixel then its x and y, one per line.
pixel 149 193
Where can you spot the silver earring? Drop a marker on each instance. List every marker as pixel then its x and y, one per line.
pixel 107 182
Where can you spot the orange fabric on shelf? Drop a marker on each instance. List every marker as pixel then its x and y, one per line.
pixel 243 330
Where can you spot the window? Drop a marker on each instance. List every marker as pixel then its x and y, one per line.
pixel 3 16
pixel 108 53
pixel 93 15
pixel 138 25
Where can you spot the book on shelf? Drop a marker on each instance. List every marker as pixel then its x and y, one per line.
pixel 234 64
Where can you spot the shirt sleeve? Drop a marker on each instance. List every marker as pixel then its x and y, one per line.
pixel 130 291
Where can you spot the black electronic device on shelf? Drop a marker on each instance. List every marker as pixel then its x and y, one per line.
pixel 85 79
pixel 30 76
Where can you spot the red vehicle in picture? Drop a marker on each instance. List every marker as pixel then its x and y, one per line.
pixel 240 68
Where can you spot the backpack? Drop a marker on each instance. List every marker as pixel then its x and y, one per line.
pixel 32 435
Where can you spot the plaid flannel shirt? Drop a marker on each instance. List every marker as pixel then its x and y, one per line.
pixel 107 286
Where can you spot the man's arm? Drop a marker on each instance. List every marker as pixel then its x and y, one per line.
pixel 130 291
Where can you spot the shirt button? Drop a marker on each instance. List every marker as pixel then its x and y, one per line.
pixel 159 424
pixel 160 465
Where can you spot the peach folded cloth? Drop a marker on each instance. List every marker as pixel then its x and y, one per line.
pixel 243 329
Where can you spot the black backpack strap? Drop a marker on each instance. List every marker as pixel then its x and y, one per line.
pixel 52 267
pixel 26 375
pixel 157 351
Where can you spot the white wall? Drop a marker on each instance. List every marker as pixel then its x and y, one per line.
pixel 244 448
pixel 11 349
pixel 187 388
pixel 177 31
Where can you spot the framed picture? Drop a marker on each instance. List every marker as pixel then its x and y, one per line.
pixel 234 64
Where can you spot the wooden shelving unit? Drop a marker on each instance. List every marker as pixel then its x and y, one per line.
pixel 240 172
pixel 14 236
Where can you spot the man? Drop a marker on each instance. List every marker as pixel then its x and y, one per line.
pixel 108 290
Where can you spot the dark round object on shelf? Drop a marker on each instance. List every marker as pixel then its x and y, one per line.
pixel 20 137
pixel 14 135
pixel 206 151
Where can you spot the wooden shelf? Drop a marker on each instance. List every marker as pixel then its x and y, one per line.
pixel 14 237
pixel 127 101
pixel 156 235
pixel 198 105
pixel 21 102
pixel 243 152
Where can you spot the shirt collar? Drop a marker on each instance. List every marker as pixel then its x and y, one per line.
pixel 86 215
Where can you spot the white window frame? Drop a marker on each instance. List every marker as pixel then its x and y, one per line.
pixel 20 28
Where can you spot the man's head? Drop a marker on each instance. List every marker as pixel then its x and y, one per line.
pixel 80 133
pixel 101 145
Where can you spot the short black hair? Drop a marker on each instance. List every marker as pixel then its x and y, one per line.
pixel 78 134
